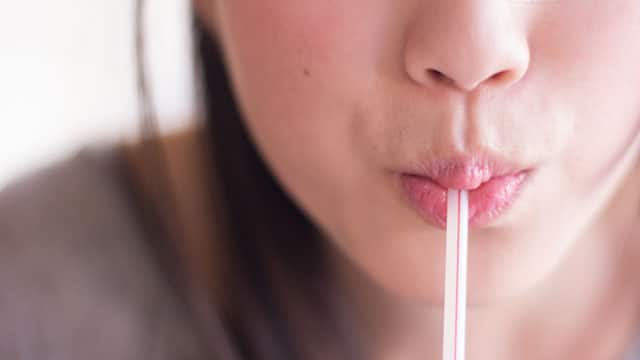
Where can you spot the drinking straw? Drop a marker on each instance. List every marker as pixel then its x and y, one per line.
pixel 455 283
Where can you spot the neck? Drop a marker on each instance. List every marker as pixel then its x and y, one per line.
pixel 587 309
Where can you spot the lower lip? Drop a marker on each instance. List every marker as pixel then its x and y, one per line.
pixel 486 203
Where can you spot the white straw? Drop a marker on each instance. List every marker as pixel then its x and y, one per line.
pixel 455 283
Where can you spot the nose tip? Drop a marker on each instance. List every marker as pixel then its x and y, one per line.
pixel 475 46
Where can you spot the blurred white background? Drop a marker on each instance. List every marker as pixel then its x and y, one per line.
pixel 67 76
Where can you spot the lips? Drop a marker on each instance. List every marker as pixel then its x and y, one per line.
pixel 493 187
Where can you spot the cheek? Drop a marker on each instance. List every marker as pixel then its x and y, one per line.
pixel 300 60
pixel 596 77
pixel 284 45
pixel 292 68
pixel 278 58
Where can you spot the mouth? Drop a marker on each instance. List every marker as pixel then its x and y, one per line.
pixel 492 191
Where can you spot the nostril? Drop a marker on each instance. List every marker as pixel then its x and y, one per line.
pixel 499 77
pixel 435 73
pixel 439 76
pixel 503 77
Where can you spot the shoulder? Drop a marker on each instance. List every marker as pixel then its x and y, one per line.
pixel 75 273
pixel 64 203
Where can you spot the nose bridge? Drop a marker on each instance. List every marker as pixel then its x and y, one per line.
pixel 464 44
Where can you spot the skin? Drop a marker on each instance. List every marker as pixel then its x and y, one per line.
pixel 338 97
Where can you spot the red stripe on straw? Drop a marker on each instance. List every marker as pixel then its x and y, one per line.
pixel 455 332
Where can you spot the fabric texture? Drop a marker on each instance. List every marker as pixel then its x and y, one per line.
pixel 78 278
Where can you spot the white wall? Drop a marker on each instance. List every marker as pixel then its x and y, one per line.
pixel 67 75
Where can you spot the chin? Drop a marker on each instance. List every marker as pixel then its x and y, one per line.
pixel 493 284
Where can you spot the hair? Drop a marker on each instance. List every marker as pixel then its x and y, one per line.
pixel 263 224
pixel 277 300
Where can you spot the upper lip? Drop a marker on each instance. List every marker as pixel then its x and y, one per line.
pixel 465 172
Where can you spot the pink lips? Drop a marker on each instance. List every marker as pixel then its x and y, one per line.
pixel 492 185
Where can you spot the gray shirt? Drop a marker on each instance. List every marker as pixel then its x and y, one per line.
pixel 78 277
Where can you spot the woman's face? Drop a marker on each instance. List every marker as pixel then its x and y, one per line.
pixel 341 97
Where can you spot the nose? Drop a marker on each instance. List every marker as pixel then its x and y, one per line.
pixel 465 44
